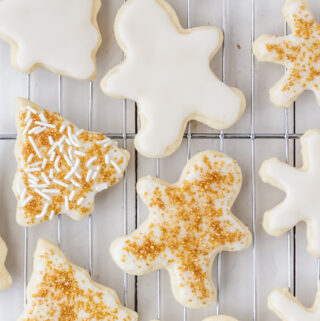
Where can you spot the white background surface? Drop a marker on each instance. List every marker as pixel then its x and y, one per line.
pixel 237 279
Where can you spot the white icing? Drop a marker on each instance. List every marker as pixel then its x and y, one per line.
pixel 58 34
pixel 168 217
pixel 61 175
pixel 167 72
pixel 301 63
pixel 5 278
pixel 289 309
pixel 47 257
pixel 302 202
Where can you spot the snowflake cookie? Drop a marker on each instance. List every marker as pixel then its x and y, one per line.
pixel 60 35
pixel 299 52
pixel 167 72
pixel 5 278
pixel 288 308
pixel 60 290
pixel 302 202
pixel 189 223
pixel 60 168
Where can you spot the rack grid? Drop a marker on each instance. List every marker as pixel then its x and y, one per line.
pixel 191 136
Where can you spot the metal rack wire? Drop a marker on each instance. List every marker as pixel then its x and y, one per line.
pixel 251 136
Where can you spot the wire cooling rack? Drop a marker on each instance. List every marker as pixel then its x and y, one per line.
pixel 288 136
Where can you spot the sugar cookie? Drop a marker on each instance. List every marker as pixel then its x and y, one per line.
pixel 189 223
pixel 60 290
pixel 60 35
pixel 302 202
pixel 299 52
pixel 5 278
pixel 288 308
pixel 167 72
pixel 60 168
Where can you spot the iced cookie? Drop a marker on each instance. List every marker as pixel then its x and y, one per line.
pixel 60 290
pixel 60 167
pixel 302 202
pixel 5 278
pixel 167 72
pixel 60 35
pixel 288 308
pixel 189 223
pixel 217 318
pixel 299 52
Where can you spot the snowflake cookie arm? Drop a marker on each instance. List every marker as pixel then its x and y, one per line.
pixel 288 308
pixel 5 278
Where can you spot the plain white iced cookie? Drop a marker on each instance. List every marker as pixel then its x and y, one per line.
pixel 167 72
pixel 189 223
pixel 5 278
pixel 60 35
pixel 299 52
pixel 60 167
pixel 288 308
pixel 60 290
pixel 302 202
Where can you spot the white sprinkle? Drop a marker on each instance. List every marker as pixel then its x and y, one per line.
pixel 61 140
pixel 53 155
pixel 51 215
pixel 51 190
pixel 27 116
pixel 116 166
pixel 62 128
pixel 51 173
pixel 80 200
pixel 32 182
pixel 68 141
pixel 34 169
pixel 34 178
pixel 67 160
pixel 101 187
pixel 42 194
pixel 44 163
pixel 70 153
pixel 31 109
pixel 44 124
pixel 75 183
pixel 51 141
pixel 90 171
pixel 26 201
pixel 107 159
pixel 61 148
pixel 77 152
pixel 72 195
pixel 23 194
pixel 56 164
pixel 43 118
pixel 91 160
pixel 39 186
pixel 33 130
pixel 27 127
pixel 30 158
pixel 57 181
pixel 40 130
pixel 79 132
pixel 78 175
pixel 107 140
pixel 52 148
pixel 35 164
pixel 66 203
pixel 73 169
pixel 44 211
pixel 45 178
pixel 95 174
pixel 72 138
pixel 34 146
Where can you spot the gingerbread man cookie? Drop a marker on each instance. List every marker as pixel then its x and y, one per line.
pixel 288 308
pixel 299 52
pixel 60 290
pixel 60 168
pixel 302 202
pixel 5 278
pixel 167 72
pixel 60 35
pixel 189 223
